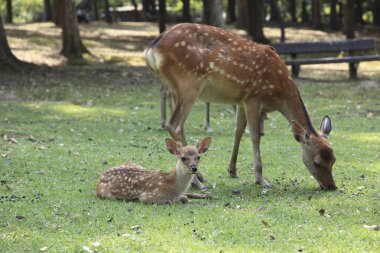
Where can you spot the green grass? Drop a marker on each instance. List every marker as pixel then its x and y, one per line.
pixel 47 183
pixel 85 119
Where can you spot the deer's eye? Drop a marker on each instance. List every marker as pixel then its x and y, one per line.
pixel 198 157
pixel 183 159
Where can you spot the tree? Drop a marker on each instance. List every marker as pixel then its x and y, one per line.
pixel 8 16
pixel 95 9
pixel 292 10
pixel 162 15
pixel 304 14
pixel 107 12
pixel 316 14
pixel 275 10
pixel 7 58
pixel 231 11
pixel 72 43
pixel 334 25
pixel 47 10
pixel 349 19
pixel 186 15
pixel 256 20
pixel 57 12
pixel 213 13
pixel 376 12
pixel 242 18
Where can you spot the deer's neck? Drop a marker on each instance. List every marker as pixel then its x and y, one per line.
pixel 295 109
pixel 182 177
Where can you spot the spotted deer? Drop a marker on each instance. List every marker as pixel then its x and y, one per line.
pixel 135 183
pixel 219 66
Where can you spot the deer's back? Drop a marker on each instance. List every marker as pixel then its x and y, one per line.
pixel 231 67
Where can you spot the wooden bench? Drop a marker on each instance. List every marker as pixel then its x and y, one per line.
pixel 353 51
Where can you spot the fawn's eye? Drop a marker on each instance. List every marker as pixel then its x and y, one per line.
pixel 198 157
pixel 183 159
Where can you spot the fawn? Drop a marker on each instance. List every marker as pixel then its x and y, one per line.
pixel 219 66
pixel 135 183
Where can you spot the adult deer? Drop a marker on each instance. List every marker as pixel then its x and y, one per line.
pixel 221 67
pixel 133 182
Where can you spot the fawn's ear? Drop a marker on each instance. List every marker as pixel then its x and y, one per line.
pixel 172 146
pixel 299 133
pixel 326 126
pixel 204 145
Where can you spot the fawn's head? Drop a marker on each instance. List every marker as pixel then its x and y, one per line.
pixel 189 155
pixel 317 155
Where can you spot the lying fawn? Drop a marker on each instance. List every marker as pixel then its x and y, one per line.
pixel 133 182
pixel 219 66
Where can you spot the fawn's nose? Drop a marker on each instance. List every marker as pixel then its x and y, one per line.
pixel 193 168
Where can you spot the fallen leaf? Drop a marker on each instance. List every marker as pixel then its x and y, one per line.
pixel 43 249
pixel 262 207
pixel 135 227
pixel 31 138
pixel 12 140
pixel 372 227
pixel 265 223
pixel 87 249
pixel 96 244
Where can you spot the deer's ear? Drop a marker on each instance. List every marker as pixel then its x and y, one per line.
pixel 172 146
pixel 299 133
pixel 326 126
pixel 204 145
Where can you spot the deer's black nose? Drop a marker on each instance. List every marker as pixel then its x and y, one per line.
pixel 194 168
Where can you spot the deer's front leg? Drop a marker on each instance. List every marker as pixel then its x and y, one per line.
pixel 241 123
pixel 253 114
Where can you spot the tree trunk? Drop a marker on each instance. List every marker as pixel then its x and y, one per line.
pixel 136 11
pixel 7 59
pixel 334 24
pixel 256 20
pixel 186 15
pixel 359 12
pixel 349 19
pixel 293 10
pixel 73 47
pixel 9 16
pixel 47 10
pixel 57 13
pixel 95 9
pixel 162 15
pixel 279 19
pixel 231 11
pixel 304 14
pixel 107 12
pixel 242 17
pixel 213 13
pixel 376 12
pixel 272 10
pixel 316 17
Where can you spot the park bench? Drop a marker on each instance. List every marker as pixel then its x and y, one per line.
pixel 352 51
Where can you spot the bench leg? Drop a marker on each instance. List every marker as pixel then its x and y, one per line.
pixel 353 68
pixel 296 70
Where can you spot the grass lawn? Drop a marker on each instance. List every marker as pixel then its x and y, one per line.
pixel 63 126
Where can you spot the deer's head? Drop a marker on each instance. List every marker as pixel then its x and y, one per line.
pixel 188 155
pixel 318 155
